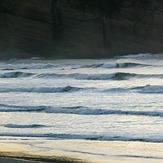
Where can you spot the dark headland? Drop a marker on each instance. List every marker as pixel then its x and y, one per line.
pixel 80 28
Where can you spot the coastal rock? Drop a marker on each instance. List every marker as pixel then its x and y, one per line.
pixel 59 30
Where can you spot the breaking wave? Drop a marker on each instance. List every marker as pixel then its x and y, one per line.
pixel 17 74
pixel 140 89
pixel 38 66
pixel 43 89
pixel 114 76
pixel 79 110
pixel 147 89
pixel 78 76
pixel 150 89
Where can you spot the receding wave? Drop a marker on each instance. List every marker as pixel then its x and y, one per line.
pixel 79 110
pixel 17 74
pixel 24 126
pixel 79 137
pixel 16 108
pixel 140 156
pixel 43 89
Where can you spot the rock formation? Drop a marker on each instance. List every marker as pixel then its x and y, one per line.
pixel 57 29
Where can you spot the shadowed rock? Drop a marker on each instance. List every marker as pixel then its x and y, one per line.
pixel 60 29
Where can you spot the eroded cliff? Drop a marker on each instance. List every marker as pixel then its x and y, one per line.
pixel 60 30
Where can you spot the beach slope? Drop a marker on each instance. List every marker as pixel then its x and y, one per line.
pixel 80 151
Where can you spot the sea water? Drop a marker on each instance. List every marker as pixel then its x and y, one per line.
pixel 117 99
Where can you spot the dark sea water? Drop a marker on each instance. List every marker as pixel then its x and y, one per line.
pixel 118 99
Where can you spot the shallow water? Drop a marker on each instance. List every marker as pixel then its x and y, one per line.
pixel 118 99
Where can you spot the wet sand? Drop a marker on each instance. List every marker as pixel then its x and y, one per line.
pixel 10 160
pixel 79 151
pixel 21 160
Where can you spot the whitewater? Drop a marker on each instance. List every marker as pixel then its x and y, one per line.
pixel 100 100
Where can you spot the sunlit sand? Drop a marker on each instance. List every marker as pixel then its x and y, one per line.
pixel 81 151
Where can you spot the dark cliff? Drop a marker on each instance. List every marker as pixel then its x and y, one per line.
pixel 59 29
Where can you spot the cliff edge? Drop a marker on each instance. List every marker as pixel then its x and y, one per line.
pixel 60 29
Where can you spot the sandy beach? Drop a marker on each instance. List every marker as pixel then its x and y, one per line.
pixel 80 151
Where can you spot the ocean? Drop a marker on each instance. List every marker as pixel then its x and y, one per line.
pixel 117 99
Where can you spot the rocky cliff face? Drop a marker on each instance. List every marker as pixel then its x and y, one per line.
pixel 50 29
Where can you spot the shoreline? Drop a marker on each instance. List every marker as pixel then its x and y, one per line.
pixel 79 151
